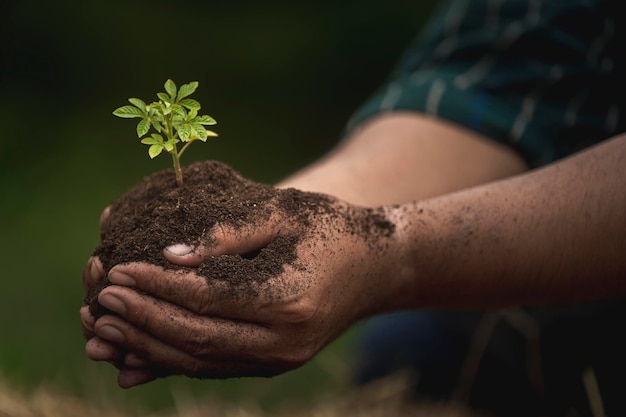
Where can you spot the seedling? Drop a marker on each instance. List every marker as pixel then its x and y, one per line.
pixel 174 118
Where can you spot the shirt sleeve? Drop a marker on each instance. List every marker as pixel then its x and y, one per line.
pixel 540 76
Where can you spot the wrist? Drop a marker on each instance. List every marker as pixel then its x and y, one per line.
pixel 425 257
pixel 405 265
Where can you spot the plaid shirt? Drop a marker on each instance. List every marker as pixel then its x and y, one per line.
pixel 539 75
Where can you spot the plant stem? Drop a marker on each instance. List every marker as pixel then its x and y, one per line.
pixel 183 149
pixel 175 157
pixel 177 169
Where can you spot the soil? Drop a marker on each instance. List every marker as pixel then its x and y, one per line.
pixel 157 213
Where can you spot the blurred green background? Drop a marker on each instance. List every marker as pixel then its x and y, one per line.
pixel 281 78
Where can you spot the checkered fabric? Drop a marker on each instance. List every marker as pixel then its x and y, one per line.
pixel 539 75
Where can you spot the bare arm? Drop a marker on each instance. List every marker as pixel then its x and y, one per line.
pixel 553 235
pixel 402 157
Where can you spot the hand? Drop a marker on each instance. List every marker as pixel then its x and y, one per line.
pixel 134 370
pixel 181 322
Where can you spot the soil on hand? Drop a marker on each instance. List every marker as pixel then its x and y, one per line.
pixel 156 213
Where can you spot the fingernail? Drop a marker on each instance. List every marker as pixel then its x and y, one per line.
pixel 120 278
pixel 111 334
pixel 112 303
pixel 95 272
pixel 180 249
pixel 105 213
pixel 86 317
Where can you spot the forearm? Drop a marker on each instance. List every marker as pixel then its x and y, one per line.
pixel 402 157
pixel 553 235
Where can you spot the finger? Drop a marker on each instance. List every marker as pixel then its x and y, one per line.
pixel 128 378
pixel 133 360
pixel 228 240
pixel 87 322
pixel 92 274
pixel 191 333
pixel 104 216
pixel 186 255
pixel 173 360
pixel 98 349
pixel 218 297
pixel 260 296
pixel 138 371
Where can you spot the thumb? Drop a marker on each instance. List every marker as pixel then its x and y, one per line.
pixel 227 240
pixel 186 255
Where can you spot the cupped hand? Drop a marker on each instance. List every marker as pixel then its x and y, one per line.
pixel 226 313
pixel 133 369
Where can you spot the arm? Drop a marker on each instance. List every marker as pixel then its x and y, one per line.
pixel 459 250
pixel 402 157
pixel 554 235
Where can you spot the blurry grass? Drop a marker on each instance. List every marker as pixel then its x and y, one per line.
pixel 383 399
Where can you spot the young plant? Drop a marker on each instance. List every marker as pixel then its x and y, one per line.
pixel 174 118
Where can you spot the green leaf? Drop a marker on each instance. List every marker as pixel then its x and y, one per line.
pixel 139 103
pixel 192 114
pixel 174 115
pixel 164 97
pixel 170 87
pixel 205 120
pixel 184 132
pixel 150 141
pixel 169 146
pixel 190 104
pixel 157 115
pixel 143 127
pixel 128 112
pixel 199 131
pixel 157 125
pixel 187 90
pixel 179 110
pixel 155 150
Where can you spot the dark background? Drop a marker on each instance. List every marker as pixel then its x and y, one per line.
pixel 280 77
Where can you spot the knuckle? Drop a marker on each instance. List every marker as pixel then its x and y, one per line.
pixel 196 344
pixel 300 311
pixel 201 298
